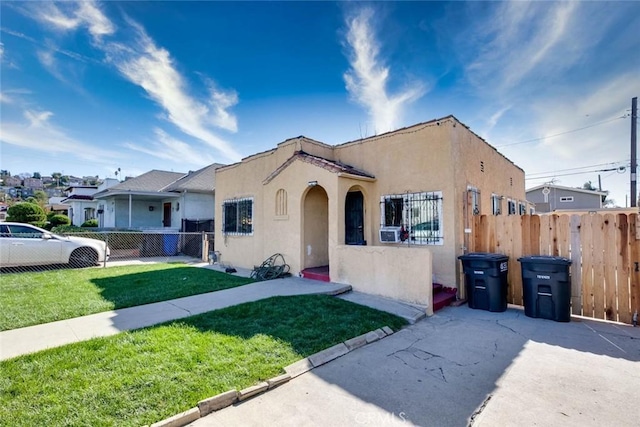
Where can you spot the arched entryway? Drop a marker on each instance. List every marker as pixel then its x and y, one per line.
pixel 354 218
pixel 315 237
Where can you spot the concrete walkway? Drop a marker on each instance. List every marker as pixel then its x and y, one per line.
pixel 464 367
pixel 17 342
pixel 21 341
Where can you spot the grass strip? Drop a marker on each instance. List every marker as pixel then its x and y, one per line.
pixel 144 376
pixel 33 298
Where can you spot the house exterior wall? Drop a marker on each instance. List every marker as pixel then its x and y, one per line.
pixel 438 156
pixel 376 270
pixel 197 206
pixel 141 216
pixel 479 165
pixel 77 210
pixel 581 200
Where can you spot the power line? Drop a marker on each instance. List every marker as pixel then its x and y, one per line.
pixel 575 173
pixel 581 167
pixel 562 133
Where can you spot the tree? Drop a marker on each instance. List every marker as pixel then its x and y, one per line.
pixel 41 198
pixel 589 186
pixel 37 175
pixel 58 219
pixel 29 213
pixel 56 178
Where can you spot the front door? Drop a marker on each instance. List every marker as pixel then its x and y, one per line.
pixel 354 219
pixel 166 218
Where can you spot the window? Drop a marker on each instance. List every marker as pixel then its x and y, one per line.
pixel 89 213
pixel 566 199
pixel 237 216
pixel 511 206
pixel 522 208
pixel 418 214
pixel 496 204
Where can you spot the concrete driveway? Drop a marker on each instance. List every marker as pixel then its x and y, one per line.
pixel 465 367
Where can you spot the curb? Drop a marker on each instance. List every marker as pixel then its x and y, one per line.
pixel 228 398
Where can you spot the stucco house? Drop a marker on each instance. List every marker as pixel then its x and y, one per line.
pixel 82 205
pixel 159 200
pixel 386 214
pixel 551 198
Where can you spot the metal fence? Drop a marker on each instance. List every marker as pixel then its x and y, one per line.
pixel 46 253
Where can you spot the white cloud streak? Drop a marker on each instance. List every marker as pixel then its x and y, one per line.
pixel 38 133
pixel 168 148
pixel 523 38
pixel 368 76
pixel 75 15
pixel 151 67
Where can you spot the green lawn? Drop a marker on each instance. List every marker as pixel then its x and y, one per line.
pixel 33 298
pixel 144 376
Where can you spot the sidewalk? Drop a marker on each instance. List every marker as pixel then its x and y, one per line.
pixel 17 342
pixel 21 341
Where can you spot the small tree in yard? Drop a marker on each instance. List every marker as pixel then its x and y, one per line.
pixel 59 219
pixel 29 213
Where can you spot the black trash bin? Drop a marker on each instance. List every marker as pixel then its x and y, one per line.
pixel 546 287
pixel 485 277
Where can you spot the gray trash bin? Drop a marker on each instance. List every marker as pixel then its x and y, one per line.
pixel 546 287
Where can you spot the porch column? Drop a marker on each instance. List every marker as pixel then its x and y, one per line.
pixel 129 210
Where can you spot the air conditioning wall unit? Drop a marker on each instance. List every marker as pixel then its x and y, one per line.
pixel 390 234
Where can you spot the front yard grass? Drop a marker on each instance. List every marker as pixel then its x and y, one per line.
pixel 141 377
pixel 33 298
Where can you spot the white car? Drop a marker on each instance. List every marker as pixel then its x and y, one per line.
pixel 25 244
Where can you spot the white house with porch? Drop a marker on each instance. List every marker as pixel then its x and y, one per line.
pixel 159 200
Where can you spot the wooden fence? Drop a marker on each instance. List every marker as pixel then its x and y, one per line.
pixel 604 250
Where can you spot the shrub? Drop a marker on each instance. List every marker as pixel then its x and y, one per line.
pixel 59 219
pixel 65 229
pixel 29 213
pixel 90 223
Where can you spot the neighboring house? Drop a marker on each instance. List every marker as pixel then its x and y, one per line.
pixel 57 205
pixel 159 199
pixel 12 181
pixel 551 198
pixel 82 205
pixel 33 183
pixel 378 212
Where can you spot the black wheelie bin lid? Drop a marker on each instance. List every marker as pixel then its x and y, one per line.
pixel 545 259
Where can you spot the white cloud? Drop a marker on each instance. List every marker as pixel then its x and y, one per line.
pixel 368 76
pixel 521 39
pixel 72 15
pixel 38 133
pixel 166 147
pixel 152 68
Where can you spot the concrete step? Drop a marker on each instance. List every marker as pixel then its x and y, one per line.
pixel 317 273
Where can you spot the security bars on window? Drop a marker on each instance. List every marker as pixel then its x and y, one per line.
pixel 419 215
pixel 238 216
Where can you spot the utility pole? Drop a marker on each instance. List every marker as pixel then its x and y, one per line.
pixel 634 144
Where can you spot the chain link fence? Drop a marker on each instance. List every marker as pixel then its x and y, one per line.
pixel 39 253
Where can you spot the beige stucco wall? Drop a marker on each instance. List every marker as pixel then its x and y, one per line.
pixel 395 272
pixel 435 156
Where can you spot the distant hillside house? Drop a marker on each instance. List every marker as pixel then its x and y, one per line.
pixel 551 198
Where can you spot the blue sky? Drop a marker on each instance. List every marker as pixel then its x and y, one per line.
pixel 90 87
